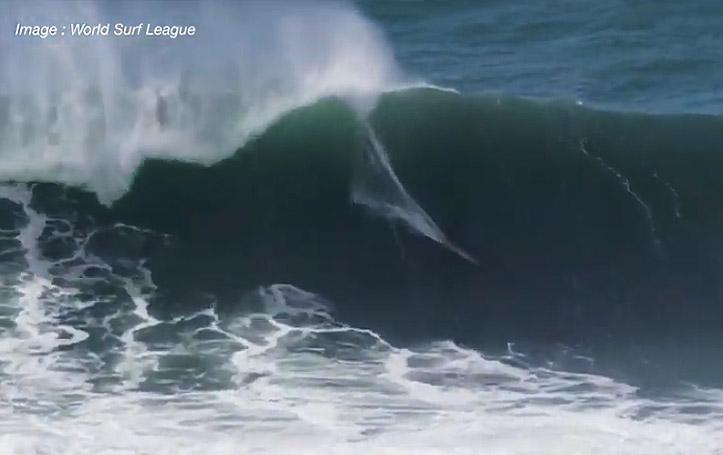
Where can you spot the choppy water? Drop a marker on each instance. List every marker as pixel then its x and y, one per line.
pixel 87 369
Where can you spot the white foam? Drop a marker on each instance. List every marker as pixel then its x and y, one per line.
pixel 30 349
pixel 299 382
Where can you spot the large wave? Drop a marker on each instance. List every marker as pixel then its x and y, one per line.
pixel 260 146
pixel 587 227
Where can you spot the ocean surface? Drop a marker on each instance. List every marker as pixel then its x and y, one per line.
pixel 641 56
pixel 384 227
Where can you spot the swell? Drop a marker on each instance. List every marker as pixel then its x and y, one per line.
pixel 585 225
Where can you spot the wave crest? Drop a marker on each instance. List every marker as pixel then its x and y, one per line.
pixel 89 111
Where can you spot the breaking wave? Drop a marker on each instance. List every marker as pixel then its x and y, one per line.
pixel 89 111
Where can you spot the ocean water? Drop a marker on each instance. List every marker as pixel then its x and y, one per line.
pixel 385 227
pixel 658 57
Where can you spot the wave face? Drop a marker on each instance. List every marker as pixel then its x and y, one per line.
pixel 476 219
pixel 88 111
pixel 584 224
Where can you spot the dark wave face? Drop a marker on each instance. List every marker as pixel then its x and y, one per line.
pixel 587 228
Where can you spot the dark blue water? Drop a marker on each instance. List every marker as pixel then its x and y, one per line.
pixel 651 56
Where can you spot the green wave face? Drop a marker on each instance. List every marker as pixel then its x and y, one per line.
pixel 584 223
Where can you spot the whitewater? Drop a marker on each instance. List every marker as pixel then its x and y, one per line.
pixel 102 375
pixel 88 372
pixel 88 112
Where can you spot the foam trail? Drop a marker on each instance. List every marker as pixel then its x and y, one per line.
pixel 673 192
pixel 378 188
pixel 88 111
pixel 625 183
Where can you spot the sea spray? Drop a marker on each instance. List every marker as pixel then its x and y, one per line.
pixel 88 112
pixel 377 187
